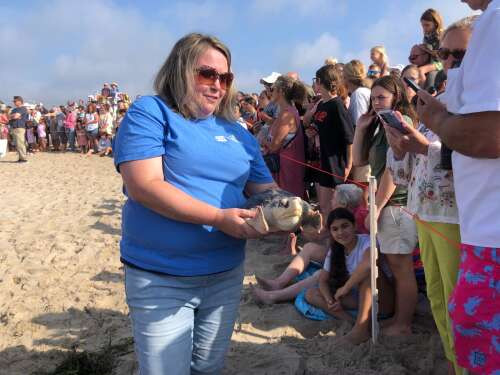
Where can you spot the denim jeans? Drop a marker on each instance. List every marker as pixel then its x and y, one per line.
pixel 182 325
pixel 70 135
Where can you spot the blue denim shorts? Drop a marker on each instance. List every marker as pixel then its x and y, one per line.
pixel 92 133
pixel 182 325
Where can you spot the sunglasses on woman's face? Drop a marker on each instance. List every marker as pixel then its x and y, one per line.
pixel 457 54
pixel 208 76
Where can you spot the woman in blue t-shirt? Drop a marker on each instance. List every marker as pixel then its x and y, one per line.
pixel 185 164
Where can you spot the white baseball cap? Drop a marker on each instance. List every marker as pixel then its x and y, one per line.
pixel 270 79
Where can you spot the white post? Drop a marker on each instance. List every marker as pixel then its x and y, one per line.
pixel 373 258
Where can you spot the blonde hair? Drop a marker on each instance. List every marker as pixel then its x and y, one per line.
pixel 331 61
pixel 293 90
pixel 175 79
pixel 383 52
pixel 462 24
pixel 355 73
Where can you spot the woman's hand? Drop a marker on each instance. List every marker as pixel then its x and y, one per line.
pixel 232 222
pixel 431 111
pixel 365 120
pixel 342 292
pixel 413 141
pixel 367 219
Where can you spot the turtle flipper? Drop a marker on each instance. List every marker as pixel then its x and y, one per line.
pixel 258 222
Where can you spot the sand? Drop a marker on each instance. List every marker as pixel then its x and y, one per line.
pixel 61 286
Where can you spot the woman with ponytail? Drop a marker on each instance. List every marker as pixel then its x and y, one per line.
pixel 344 282
pixel 286 135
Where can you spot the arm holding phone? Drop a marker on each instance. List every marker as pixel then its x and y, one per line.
pixel 457 131
pixel 410 141
pixel 359 149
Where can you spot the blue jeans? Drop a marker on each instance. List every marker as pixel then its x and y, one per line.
pixel 70 134
pixel 182 325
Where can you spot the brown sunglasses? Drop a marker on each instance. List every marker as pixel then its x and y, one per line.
pixel 208 76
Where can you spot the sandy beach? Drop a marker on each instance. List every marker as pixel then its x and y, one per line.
pixel 61 286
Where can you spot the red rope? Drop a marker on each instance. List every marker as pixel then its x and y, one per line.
pixel 361 184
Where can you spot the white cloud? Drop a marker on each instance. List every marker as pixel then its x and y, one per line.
pixel 313 54
pixel 88 43
pixel 318 8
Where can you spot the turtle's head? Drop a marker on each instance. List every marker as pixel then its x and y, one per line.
pixel 288 213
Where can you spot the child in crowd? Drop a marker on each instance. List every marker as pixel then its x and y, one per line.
pixel 379 57
pixel 81 134
pixel 344 282
pixel 433 28
pixel 373 72
pixel 104 145
pixel 42 134
pixel 347 196
pixel 30 136
pixel 237 113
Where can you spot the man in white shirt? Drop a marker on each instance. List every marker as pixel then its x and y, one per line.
pixel 470 126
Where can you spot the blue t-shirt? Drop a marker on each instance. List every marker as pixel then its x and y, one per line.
pixel 211 160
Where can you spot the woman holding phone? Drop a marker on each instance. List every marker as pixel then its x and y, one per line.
pixel 397 232
pixel 416 161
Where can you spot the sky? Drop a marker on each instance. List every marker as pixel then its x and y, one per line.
pixel 59 50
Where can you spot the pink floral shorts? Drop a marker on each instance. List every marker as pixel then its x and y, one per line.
pixel 474 308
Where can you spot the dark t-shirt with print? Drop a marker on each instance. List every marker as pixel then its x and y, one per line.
pixel 336 132
pixel 21 122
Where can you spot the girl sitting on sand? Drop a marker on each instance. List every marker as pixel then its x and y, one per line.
pixel 281 289
pixel 344 282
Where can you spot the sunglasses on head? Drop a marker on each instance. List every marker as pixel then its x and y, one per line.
pixel 208 76
pixel 457 54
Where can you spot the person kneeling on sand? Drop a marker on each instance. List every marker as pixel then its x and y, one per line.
pixel 344 281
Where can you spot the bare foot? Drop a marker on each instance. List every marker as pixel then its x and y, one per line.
pixel 386 322
pixel 356 336
pixel 261 295
pixel 267 284
pixel 290 247
pixel 396 330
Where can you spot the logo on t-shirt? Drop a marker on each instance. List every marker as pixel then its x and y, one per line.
pixel 320 116
pixel 220 138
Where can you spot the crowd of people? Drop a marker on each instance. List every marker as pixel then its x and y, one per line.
pixel 422 200
pixel 320 142
pixel 84 126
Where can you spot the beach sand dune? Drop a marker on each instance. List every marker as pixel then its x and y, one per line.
pixel 61 286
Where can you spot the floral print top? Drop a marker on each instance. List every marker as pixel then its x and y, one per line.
pixel 431 193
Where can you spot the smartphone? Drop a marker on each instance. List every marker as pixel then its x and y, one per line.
pixel 388 117
pixel 412 84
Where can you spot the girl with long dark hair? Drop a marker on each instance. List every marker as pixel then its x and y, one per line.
pixel 397 234
pixel 344 281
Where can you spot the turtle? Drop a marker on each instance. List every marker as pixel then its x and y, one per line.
pixel 280 211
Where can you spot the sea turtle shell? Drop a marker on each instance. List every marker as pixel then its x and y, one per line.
pixel 281 211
